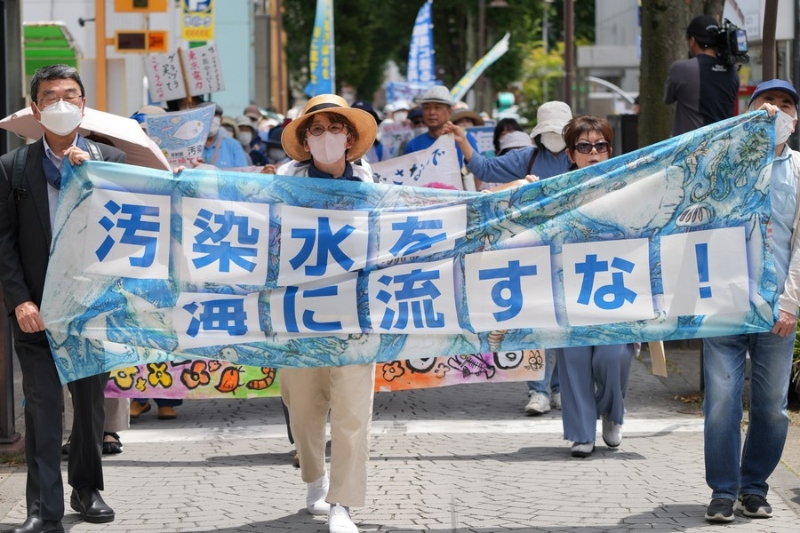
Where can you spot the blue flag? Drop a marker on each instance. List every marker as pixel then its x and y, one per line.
pixel 321 57
pixel 420 54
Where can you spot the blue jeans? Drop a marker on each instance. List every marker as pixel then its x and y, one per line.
pixel 550 381
pixel 730 470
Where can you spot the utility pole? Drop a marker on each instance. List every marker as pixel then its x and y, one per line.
pixel 569 50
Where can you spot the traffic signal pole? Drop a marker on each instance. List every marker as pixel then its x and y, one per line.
pixel 101 73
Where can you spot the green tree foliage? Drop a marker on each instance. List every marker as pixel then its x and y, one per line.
pixel 368 34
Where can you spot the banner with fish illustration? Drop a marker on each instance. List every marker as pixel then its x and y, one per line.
pixel 669 242
pixel 201 379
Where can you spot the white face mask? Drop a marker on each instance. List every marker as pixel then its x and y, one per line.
pixel 328 147
pixel 245 137
pixel 216 123
pixel 419 130
pixel 61 118
pixel 784 126
pixel 276 154
pixel 400 116
pixel 553 141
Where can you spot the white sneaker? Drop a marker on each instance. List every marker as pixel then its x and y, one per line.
pixel 539 404
pixel 339 520
pixel 316 492
pixel 582 449
pixel 612 433
pixel 555 400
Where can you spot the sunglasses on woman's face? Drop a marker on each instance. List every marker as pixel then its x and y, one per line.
pixel 586 148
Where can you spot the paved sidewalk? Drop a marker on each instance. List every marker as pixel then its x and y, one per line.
pixel 455 459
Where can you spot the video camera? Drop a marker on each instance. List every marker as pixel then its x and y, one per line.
pixel 731 44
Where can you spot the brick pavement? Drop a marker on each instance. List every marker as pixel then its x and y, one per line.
pixel 456 459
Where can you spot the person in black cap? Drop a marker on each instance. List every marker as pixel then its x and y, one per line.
pixel 738 475
pixel 703 87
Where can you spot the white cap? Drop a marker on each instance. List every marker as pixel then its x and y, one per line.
pixel 551 117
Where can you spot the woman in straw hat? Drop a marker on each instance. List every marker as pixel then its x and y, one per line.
pixel 324 141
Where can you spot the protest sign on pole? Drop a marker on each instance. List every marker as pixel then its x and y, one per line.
pixel 460 89
pixel 181 135
pixel 321 55
pixel 165 77
pixel 421 51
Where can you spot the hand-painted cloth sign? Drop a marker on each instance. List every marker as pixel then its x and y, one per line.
pixel 200 378
pixel 421 51
pixel 669 242
pixel 181 135
pixel 322 54
pixel 436 167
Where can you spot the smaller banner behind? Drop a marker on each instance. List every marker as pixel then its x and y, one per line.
pixel 199 379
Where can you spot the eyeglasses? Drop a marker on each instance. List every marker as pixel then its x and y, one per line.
pixel 586 148
pixel 72 98
pixel 334 127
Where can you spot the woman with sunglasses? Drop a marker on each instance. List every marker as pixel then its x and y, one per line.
pixel 593 379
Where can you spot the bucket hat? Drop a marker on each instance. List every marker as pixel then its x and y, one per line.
pixel 363 122
pixel 551 117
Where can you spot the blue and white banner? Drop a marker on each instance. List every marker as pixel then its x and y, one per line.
pixel 421 52
pixel 460 89
pixel 669 242
pixel 322 55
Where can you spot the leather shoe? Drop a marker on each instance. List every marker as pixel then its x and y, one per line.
pixel 37 525
pixel 91 506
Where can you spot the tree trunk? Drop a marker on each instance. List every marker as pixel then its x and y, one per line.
pixel 664 24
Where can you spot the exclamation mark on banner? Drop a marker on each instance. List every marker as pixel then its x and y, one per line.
pixel 701 251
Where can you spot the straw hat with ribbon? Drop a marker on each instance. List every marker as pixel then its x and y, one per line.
pixel 364 124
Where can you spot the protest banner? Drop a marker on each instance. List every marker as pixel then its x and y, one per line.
pixel 404 90
pixel 394 136
pixel 421 52
pixel 201 379
pixel 436 166
pixel 322 53
pixel 668 242
pixel 181 135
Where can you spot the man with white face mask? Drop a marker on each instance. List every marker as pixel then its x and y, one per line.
pixel 737 474
pixel 28 198
pixel 220 150
pixel 545 159
pixel 324 141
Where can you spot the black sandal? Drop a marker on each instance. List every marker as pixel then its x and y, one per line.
pixel 111 448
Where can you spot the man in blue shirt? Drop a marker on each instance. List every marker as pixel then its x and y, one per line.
pixel 437 106
pixel 220 150
pixel 738 475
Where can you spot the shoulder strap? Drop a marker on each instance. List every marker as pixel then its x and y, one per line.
pixel 19 166
pixel 532 161
pixel 94 150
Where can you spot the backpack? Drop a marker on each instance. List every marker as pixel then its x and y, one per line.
pixel 18 167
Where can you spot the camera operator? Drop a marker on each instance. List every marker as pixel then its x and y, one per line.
pixel 704 86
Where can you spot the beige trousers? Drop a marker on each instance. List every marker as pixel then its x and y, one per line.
pixel 346 391
pixel 118 413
